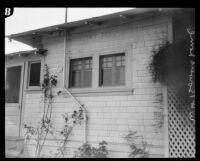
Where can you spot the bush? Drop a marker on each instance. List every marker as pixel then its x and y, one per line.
pixel 87 151
pixel 138 146
pixel 170 66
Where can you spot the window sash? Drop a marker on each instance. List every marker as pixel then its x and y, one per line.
pixel 30 76
pixel 118 64
pixel 81 66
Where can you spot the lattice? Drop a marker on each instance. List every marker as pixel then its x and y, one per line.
pixel 181 128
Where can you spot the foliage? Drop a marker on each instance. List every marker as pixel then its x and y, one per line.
pixel 46 125
pixel 159 113
pixel 40 133
pixel 49 81
pixel 70 122
pixel 87 151
pixel 170 65
pixel 138 146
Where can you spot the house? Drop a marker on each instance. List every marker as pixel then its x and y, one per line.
pixel 101 63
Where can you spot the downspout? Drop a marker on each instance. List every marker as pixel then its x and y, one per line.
pixel 67 91
pixel 84 113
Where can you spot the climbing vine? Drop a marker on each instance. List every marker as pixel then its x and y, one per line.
pixel 45 128
pixel 137 145
pixel 170 65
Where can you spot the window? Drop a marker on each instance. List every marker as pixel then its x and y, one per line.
pixel 80 72
pixel 112 70
pixel 34 74
pixel 13 76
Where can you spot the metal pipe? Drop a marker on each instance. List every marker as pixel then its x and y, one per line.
pixel 84 112
pixel 66 90
pixel 66 15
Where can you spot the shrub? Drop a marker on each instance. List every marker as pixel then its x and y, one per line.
pixel 87 151
pixel 138 148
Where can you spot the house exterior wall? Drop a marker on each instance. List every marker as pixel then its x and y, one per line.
pixel 111 116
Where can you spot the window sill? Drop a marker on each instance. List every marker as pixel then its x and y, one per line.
pixel 38 89
pixel 102 91
pixel 14 138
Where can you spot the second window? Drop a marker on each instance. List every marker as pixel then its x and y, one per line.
pixel 112 70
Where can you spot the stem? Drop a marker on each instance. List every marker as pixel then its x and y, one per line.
pixel 49 106
pixel 57 143
pixel 66 138
pixel 37 140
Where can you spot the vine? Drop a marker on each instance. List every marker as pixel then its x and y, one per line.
pixel 45 127
pixel 137 144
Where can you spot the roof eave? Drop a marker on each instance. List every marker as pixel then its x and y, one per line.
pixel 26 53
pixel 26 37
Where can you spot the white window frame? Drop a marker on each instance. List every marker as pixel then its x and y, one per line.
pixel 28 74
pixel 70 72
pixel 95 88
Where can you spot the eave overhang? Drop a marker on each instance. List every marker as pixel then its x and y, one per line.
pixel 27 37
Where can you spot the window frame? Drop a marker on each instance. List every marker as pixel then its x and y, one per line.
pixel 113 70
pixel 82 71
pixel 28 74
pixel 95 89
pixel 21 79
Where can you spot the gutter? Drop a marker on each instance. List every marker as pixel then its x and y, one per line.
pixel 26 37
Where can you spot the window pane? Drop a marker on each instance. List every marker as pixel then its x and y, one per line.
pixel 109 59
pixel 34 79
pixel 118 63
pixel 87 66
pixel 81 72
pixel 112 70
pixel 109 64
pixel 13 84
pixel 120 75
pixel 76 78
pixel 120 60
pixel 106 77
pixel 87 78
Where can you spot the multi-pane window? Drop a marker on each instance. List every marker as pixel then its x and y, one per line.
pixel 80 72
pixel 112 70
pixel 34 74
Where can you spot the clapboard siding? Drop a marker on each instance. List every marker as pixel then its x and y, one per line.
pixel 112 116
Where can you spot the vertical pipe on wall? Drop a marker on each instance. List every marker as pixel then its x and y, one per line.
pixel 66 90
pixel 66 15
pixel 84 112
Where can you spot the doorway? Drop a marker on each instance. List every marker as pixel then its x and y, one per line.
pixel 13 98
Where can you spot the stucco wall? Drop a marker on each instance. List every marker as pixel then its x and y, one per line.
pixel 112 116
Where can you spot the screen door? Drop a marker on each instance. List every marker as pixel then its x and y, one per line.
pixel 13 88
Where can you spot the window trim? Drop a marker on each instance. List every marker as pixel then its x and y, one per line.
pixel 113 69
pixel 95 89
pixel 28 74
pixel 21 79
pixel 82 70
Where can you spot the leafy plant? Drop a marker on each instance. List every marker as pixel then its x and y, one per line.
pixel 40 133
pixel 87 151
pixel 159 113
pixel 138 146
pixel 170 65
pixel 70 122
pixel 46 125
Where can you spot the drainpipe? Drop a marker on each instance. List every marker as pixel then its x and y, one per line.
pixel 66 90
pixel 84 113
